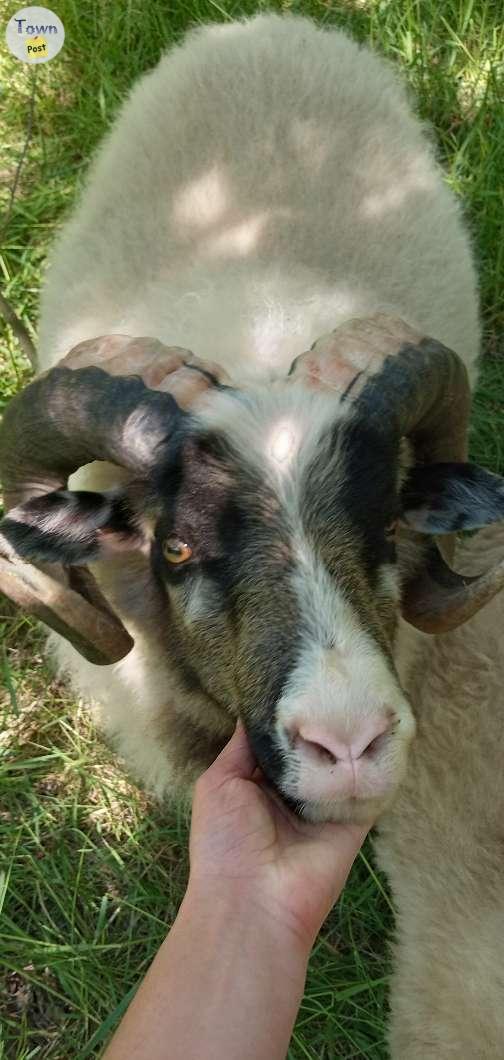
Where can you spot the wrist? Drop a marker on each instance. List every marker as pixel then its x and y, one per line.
pixel 234 978
pixel 241 910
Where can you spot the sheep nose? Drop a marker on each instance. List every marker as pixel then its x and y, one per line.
pixel 325 745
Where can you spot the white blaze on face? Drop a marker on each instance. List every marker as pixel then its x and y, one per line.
pixel 341 692
pixel 282 443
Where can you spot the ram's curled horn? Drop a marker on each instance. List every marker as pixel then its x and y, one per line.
pixel 413 386
pixel 438 599
pixel 71 604
pixel 398 379
pixel 74 414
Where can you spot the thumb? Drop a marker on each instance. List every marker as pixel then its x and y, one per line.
pixel 235 760
pixel 342 843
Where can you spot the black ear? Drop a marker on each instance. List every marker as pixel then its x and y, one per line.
pixel 444 498
pixel 72 527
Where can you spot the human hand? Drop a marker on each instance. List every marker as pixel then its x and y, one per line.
pixel 246 845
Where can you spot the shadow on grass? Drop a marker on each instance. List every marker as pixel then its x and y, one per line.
pixel 94 873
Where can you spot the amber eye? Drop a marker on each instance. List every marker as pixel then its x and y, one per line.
pixel 176 551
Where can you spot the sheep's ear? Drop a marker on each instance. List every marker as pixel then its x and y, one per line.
pixel 444 498
pixel 72 527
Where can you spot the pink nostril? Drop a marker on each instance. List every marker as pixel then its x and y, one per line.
pixel 315 751
pixel 329 744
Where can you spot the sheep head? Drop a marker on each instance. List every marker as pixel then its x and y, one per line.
pixel 278 521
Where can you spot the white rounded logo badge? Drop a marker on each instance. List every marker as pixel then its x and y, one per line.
pixel 35 34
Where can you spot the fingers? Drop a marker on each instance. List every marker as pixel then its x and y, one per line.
pixel 336 847
pixel 350 841
pixel 347 837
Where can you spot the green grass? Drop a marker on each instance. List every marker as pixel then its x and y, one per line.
pixel 91 872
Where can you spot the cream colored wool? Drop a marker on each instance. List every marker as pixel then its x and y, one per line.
pixel 442 845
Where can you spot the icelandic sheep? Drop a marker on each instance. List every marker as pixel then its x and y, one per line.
pixel 266 184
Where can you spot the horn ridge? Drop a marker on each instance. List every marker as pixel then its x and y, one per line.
pixel 406 384
pixel 438 600
pixel 75 608
pixel 70 417
pixel 422 391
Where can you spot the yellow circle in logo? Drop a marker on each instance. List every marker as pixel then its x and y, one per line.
pixel 36 48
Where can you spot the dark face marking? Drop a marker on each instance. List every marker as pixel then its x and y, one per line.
pixel 242 640
pixel 349 502
pixel 351 486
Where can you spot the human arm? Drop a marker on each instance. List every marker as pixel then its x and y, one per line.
pixel 228 980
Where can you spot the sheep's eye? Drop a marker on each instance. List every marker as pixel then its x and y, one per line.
pixel 176 551
pixel 390 530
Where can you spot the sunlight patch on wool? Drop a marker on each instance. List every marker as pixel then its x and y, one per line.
pixel 283 443
pixel 202 201
pixel 238 239
pixel 391 197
